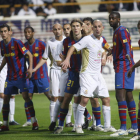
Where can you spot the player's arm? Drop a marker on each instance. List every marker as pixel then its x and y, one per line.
pixel 3 63
pixel 103 60
pixel 123 34
pixel 66 63
pixel 41 62
pixel 133 68
pixel 62 57
pixel 29 71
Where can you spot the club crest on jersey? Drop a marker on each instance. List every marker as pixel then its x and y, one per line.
pixel 36 48
pixel 86 92
pixel 12 47
pixel 99 54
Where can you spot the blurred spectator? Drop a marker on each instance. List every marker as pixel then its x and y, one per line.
pixel 37 2
pixel 50 10
pixel 59 9
pixel 12 11
pixel 26 10
pixel 123 6
pixel 108 7
pixel 133 6
pixel 47 1
pixel 72 8
pixel 40 12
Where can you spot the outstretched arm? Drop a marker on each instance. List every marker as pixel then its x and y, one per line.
pixel 65 64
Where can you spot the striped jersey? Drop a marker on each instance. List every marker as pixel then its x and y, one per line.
pixel 121 47
pixel 14 53
pixel 76 58
pixel 37 49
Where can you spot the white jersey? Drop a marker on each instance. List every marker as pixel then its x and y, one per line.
pixel 91 54
pixel 51 48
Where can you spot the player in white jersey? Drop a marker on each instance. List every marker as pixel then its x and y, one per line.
pixel 3 75
pixel 55 71
pixel 62 84
pixel 91 81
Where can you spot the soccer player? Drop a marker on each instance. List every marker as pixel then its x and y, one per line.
pixel 40 78
pixel 72 85
pixel 123 60
pixel 12 99
pixel 13 51
pixel 91 81
pixel 55 71
pixel 136 136
pixel 63 80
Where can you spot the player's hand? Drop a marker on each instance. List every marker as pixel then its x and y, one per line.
pixel 130 72
pixel 61 56
pixel 128 57
pixel 109 58
pixel 65 64
pixel 29 73
pixel 33 70
pixel 103 61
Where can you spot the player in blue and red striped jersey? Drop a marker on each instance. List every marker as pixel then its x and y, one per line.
pixel 136 136
pixel 123 60
pixel 39 78
pixel 72 85
pixel 13 51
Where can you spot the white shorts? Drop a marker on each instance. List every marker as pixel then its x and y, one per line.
pixel 54 82
pixel 93 86
pixel 3 75
pixel 78 93
pixel 62 84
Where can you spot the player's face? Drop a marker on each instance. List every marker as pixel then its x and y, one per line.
pixel 57 30
pixel 89 26
pixel 67 29
pixel 11 32
pixel 4 33
pixel 28 34
pixel 76 28
pixel 113 20
pixel 97 28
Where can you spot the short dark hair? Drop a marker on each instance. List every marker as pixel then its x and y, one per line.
pixel 5 25
pixel 29 27
pixel 115 13
pixel 88 19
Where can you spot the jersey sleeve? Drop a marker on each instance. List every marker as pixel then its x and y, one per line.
pixel 125 40
pixel 22 47
pixel 105 44
pixel 46 52
pixel 81 44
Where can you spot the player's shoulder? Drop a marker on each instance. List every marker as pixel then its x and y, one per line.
pixel 40 41
pixel 123 28
pixel 16 40
pixel 51 40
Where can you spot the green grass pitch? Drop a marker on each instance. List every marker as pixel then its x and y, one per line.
pixel 42 113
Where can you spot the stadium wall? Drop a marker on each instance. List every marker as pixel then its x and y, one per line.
pixel 43 28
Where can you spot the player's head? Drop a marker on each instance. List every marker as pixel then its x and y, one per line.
pixel 114 19
pixel 89 22
pixel 76 27
pixel 97 28
pixel 29 32
pixel 67 29
pixel 57 30
pixel 5 31
pixel 138 26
